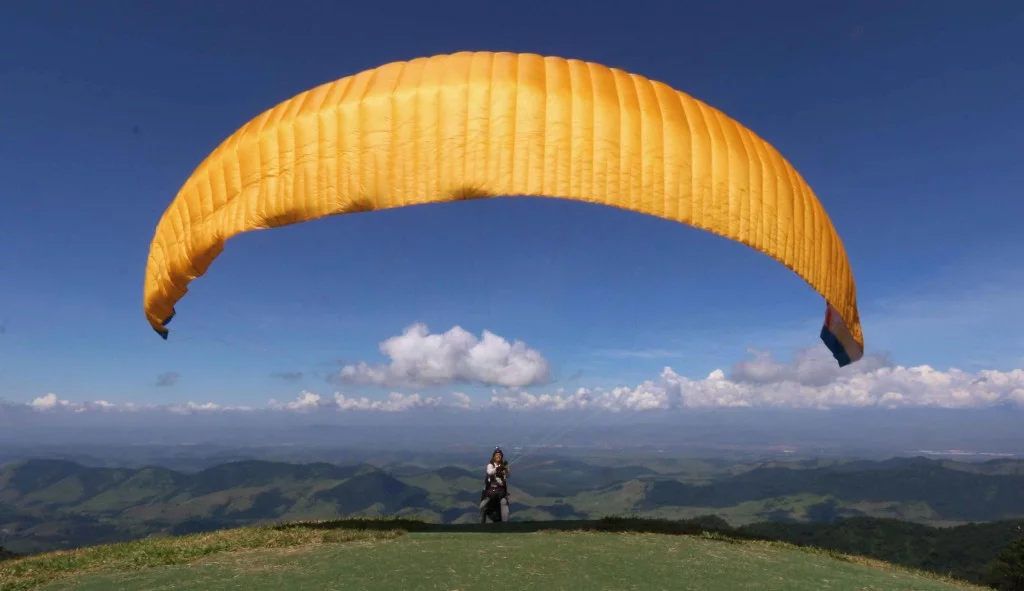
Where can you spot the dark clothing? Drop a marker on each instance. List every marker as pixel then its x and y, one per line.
pixel 494 497
pixel 497 477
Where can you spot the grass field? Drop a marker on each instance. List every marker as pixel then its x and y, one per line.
pixel 406 555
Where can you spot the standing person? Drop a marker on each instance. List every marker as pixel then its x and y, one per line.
pixel 495 488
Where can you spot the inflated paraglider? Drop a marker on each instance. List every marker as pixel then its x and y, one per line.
pixel 476 125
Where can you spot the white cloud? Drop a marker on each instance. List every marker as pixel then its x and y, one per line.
pixel 809 367
pixel 52 403
pixel 420 359
pixel 306 401
pixel 462 400
pixel 49 402
pixel 194 407
pixel 810 380
pixel 395 402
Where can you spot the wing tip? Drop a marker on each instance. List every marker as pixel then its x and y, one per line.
pixel 161 329
pixel 834 333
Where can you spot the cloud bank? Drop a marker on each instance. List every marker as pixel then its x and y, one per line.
pixel 810 379
pixel 421 360
pixel 50 402
pixel 395 402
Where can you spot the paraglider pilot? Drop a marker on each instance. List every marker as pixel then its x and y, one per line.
pixel 495 489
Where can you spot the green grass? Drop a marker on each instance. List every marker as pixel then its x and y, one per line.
pixel 33 571
pixel 617 553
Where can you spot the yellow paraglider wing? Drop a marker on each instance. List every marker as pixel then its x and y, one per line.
pixel 474 125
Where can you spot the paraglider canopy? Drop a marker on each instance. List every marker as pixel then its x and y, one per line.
pixel 477 125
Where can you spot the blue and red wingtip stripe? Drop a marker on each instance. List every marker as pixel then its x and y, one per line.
pixel 163 333
pixel 833 345
pixel 838 339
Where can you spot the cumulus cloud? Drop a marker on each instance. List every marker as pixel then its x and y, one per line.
pixel 395 402
pixel 194 407
pixel 462 400
pixel 421 359
pixel 810 380
pixel 809 367
pixel 304 402
pixel 50 402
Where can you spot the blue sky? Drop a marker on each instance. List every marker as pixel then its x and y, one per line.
pixel 904 118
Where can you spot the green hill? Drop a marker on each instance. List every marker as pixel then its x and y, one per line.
pixel 842 506
pixel 947 492
pixel 391 554
pixel 966 551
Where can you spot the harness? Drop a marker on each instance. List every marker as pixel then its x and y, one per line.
pixel 493 484
pixel 495 490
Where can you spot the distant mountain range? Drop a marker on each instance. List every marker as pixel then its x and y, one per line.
pixel 51 504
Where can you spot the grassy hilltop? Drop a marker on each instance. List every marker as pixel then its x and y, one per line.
pixel 407 554
pixel 48 504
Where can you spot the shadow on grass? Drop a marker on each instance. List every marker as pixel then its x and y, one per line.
pixel 712 527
